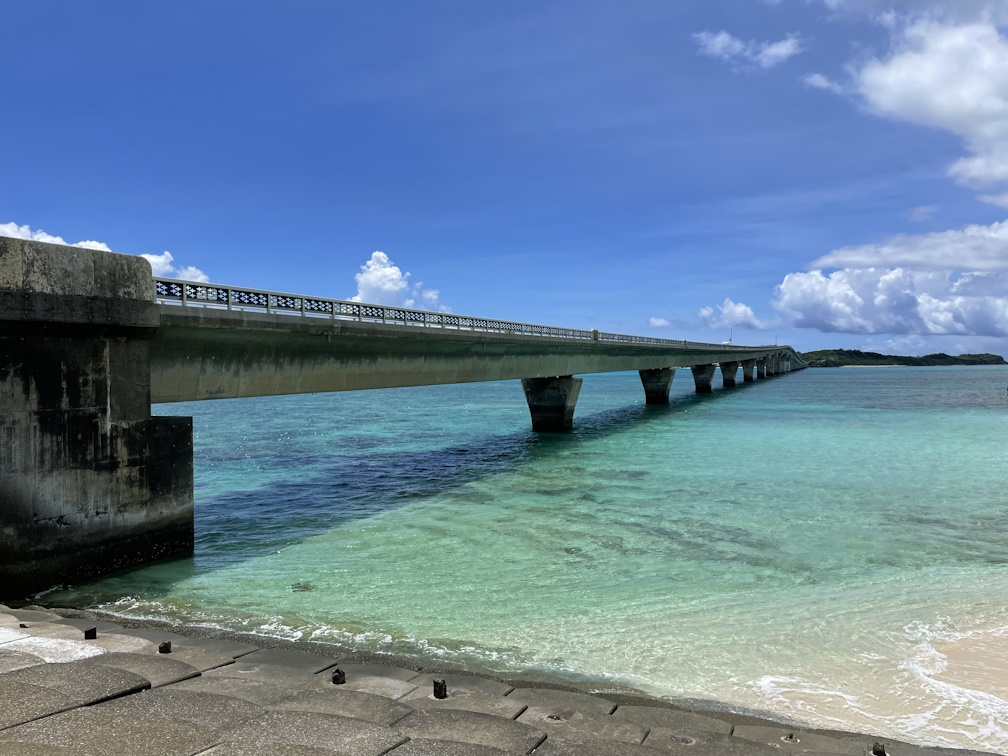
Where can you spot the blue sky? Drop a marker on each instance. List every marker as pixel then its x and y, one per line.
pixel 829 173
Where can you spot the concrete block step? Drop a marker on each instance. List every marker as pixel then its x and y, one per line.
pixel 216 713
pixel 498 706
pixel 22 702
pixel 301 661
pixel 300 728
pixel 278 675
pixel 558 745
pixel 561 700
pixel 266 749
pixel 91 731
pixel 82 683
pixel 379 680
pixel 471 727
pixel 211 646
pixel 73 636
pixel 421 747
pixel 799 741
pixel 33 749
pixel 353 669
pixel 346 703
pixel 556 720
pixel 685 722
pixel 459 684
pixel 200 659
pixel 82 624
pixel 11 659
pixel 158 669
pixel 254 691
pixel 32 615
pixel 674 741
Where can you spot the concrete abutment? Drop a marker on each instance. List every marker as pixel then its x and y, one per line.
pixel 90 482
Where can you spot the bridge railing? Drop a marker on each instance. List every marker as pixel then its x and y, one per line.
pixel 172 291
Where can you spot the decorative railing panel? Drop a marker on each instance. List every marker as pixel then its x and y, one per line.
pixel 196 294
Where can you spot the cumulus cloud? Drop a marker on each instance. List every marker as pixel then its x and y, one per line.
pixel 381 281
pixel 654 322
pixel 26 232
pixel 896 301
pixel 724 46
pixel 728 314
pixel 949 76
pixel 957 10
pixel 162 265
pixel 973 248
pixel 951 282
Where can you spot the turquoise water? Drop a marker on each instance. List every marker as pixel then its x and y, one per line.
pixel 803 545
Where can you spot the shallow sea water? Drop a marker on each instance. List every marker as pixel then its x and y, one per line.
pixel 812 545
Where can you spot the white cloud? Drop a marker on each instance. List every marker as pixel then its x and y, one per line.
pixel 654 322
pixel 89 244
pixel 721 45
pixel 952 77
pixel 25 232
pixel 769 55
pixel 728 314
pixel 896 301
pixel 818 81
pixel 381 281
pixel 974 248
pixel 1001 200
pixel 888 11
pixel 724 46
pixel 163 266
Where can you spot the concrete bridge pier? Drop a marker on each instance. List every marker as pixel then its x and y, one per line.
pixel 702 377
pixel 747 370
pixel 761 367
pixel 775 364
pixel 729 372
pixel 90 483
pixel 657 383
pixel 551 402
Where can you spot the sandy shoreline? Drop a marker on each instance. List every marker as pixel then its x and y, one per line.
pixel 963 662
pixel 978 663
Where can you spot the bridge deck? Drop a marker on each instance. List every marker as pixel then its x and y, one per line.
pixel 213 353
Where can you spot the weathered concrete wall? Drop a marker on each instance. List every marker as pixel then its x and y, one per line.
pixel 216 354
pixel 551 402
pixel 89 481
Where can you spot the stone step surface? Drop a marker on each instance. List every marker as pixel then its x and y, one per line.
pixel 63 694
pixel 472 727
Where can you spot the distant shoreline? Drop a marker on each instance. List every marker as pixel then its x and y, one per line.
pixel 857 358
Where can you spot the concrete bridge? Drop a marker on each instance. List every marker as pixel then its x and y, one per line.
pixel 91 482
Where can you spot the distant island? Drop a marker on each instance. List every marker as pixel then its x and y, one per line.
pixel 854 357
